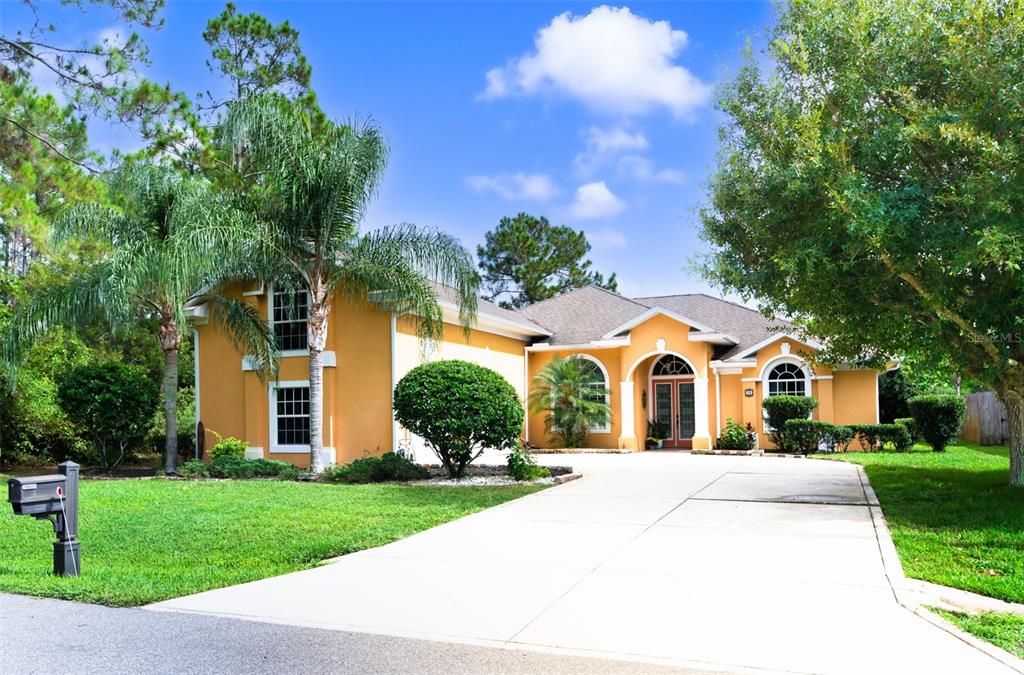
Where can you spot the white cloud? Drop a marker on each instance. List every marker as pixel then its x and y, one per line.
pixel 601 146
pixel 642 169
pixel 610 59
pixel 595 200
pixel 606 239
pixel 532 186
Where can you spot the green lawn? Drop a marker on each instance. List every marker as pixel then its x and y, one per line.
pixel 1002 630
pixel 953 518
pixel 149 540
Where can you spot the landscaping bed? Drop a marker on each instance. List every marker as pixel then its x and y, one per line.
pixel 150 540
pixel 954 519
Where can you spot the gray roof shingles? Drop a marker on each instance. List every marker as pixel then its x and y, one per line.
pixel 587 314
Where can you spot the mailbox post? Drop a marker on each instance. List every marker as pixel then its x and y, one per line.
pixel 53 498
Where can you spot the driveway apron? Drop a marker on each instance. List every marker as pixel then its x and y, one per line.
pixel 703 561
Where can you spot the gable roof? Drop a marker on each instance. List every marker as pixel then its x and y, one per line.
pixel 490 315
pixel 592 314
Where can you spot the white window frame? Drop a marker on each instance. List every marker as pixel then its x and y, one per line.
pixel 766 375
pixel 272 398
pixel 270 321
pixel 607 427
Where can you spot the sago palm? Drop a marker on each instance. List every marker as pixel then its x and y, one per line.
pixel 313 182
pixel 573 397
pixel 159 260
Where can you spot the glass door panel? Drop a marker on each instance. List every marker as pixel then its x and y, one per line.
pixel 687 417
pixel 663 405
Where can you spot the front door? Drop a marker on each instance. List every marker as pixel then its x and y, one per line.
pixel 674 407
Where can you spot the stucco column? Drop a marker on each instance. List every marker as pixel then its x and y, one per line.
pixel 701 434
pixel 627 435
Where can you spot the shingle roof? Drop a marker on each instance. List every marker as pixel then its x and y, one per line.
pixel 582 315
pixel 484 308
pixel 587 314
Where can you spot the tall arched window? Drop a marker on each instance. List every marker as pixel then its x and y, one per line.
pixel 787 379
pixel 597 378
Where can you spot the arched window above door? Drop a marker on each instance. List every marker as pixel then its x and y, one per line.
pixel 671 365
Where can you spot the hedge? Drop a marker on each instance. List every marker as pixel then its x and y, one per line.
pixel 938 418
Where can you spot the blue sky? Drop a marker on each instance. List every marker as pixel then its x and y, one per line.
pixel 599 117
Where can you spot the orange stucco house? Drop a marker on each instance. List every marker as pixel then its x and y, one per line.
pixel 689 361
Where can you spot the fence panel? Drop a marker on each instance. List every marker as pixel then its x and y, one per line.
pixel 986 422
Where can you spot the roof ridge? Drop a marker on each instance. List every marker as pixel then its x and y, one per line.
pixel 715 297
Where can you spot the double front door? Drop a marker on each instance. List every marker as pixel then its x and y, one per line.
pixel 674 408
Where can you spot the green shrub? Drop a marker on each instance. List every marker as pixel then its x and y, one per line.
pixel 836 437
pixel 194 468
pixel 911 426
pixel 373 469
pixel 895 435
pixel 804 436
pixel 781 409
pixel 238 468
pixel 227 447
pixel 522 466
pixel 869 435
pixel 459 408
pixel 939 418
pixel 113 404
pixel 736 437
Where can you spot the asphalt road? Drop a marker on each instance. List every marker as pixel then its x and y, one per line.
pixel 54 636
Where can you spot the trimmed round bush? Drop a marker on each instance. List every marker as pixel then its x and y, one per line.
pixel 781 409
pixel 836 437
pixel 939 418
pixel 459 408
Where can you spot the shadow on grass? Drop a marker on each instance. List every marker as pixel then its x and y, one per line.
pixel 949 498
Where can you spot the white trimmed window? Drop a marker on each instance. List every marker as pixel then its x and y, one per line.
pixel 289 314
pixel 787 379
pixel 289 417
pixel 597 376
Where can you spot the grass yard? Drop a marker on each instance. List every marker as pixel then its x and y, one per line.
pixel 1002 630
pixel 952 516
pixel 149 540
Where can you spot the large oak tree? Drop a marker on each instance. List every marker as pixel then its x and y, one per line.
pixel 870 184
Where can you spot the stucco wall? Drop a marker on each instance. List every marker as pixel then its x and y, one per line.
pixel 501 354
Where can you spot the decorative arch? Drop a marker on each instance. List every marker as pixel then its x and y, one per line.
pixel 785 368
pixel 607 427
pixel 663 352
pixel 670 365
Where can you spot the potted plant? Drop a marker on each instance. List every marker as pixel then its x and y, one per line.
pixel 657 432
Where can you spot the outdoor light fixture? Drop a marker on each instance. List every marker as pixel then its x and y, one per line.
pixel 748 392
pixel 643 399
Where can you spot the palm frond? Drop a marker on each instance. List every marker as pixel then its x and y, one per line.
pixel 248 330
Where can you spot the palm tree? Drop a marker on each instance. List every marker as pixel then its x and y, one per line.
pixel 574 398
pixel 312 183
pixel 161 258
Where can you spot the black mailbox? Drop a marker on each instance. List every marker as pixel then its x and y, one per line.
pixel 37 495
pixel 54 498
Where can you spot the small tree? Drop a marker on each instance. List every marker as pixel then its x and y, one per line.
pixel 938 418
pixel 781 409
pixel 573 395
pixel 459 409
pixel 112 403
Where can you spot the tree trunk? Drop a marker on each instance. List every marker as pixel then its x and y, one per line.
pixel 1014 401
pixel 170 343
pixel 170 411
pixel 317 342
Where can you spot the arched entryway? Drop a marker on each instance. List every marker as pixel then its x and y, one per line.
pixel 673 399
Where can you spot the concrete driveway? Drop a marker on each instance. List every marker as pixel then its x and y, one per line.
pixel 699 561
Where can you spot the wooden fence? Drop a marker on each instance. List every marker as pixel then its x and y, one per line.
pixel 986 420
